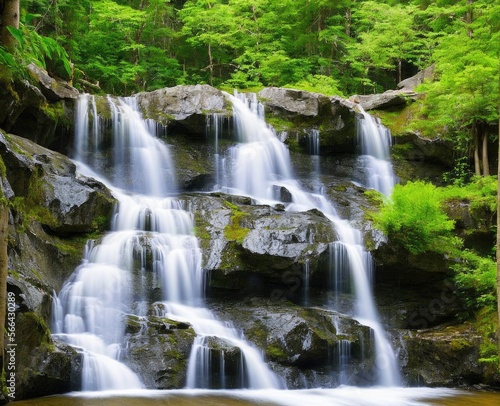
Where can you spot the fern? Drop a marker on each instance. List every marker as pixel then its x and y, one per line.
pixel 34 48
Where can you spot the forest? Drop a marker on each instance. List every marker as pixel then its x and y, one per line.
pixel 343 48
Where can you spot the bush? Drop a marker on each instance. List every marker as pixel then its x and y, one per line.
pixel 413 217
pixel 476 277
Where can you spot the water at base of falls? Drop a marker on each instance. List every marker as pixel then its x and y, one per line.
pixel 151 246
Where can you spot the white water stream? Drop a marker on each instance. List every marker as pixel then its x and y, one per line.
pixel 261 162
pixel 374 141
pixel 89 311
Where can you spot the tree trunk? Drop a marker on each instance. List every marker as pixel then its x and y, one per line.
pixel 348 22
pixel 10 18
pixel 4 261
pixel 400 70
pixel 211 64
pixel 469 17
pixel 477 163
pixel 486 162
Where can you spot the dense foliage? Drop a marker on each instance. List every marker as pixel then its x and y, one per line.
pixel 341 47
pixel 414 219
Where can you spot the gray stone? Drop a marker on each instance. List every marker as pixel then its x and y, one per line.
pixel 52 89
pixel 157 350
pixel 412 82
pixel 381 101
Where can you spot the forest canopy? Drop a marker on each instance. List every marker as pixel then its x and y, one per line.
pixel 334 47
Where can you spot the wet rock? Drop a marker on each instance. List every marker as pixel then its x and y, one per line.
pixel 49 189
pixel 184 107
pixel 157 350
pixel 317 345
pixel 241 242
pixel 295 113
pixel 43 367
pixel 442 357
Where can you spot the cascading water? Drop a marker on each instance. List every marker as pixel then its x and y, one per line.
pixel 151 246
pixel 260 164
pixel 374 141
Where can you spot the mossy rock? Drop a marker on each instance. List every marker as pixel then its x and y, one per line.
pixel 157 349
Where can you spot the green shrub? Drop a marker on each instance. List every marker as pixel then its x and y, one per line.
pixel 413 217
pixel 476 277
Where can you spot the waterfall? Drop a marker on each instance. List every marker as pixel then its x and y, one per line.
pixel 151 246
pixel 374 140
pixel 261 162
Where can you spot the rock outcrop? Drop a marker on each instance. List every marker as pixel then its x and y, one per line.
pixel 157 350
pixel 305 344
pixel 243 242
pixel 52 213
pixel 184 108
pixel 41 109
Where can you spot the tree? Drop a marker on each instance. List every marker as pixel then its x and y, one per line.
pixel 387 37
pixel 462 103
pixel 209 24
pixel 4 261
pixel 9 10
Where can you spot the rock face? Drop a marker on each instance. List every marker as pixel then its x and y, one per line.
pixel 239 239
pixel 443 357
pixel 255 256
pixel 301 112
pixel 42 113
pixel 184 108
pixel 157 350
pixel 320 347
pixel 70 203
pixel 52 211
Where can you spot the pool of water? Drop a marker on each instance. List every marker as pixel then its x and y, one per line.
pixel 343 396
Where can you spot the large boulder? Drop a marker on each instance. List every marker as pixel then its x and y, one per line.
pixel 184 108
pixel 53 89
pixel 446 356
pixel 26 111
pixel 297 114
pixel 48 188
pixel 308 347
pixel 388 99
pixel 157 350
pixel 411 83
pixel 242 242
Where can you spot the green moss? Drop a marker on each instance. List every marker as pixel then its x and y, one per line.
pixel 486 325
pixel 279 124
pixel 102 106
pixel 398 121
pixel 293 144
pixel 3 169
pixel 274 352
pixel 459 344
pixel 56 112
pixel 234 231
